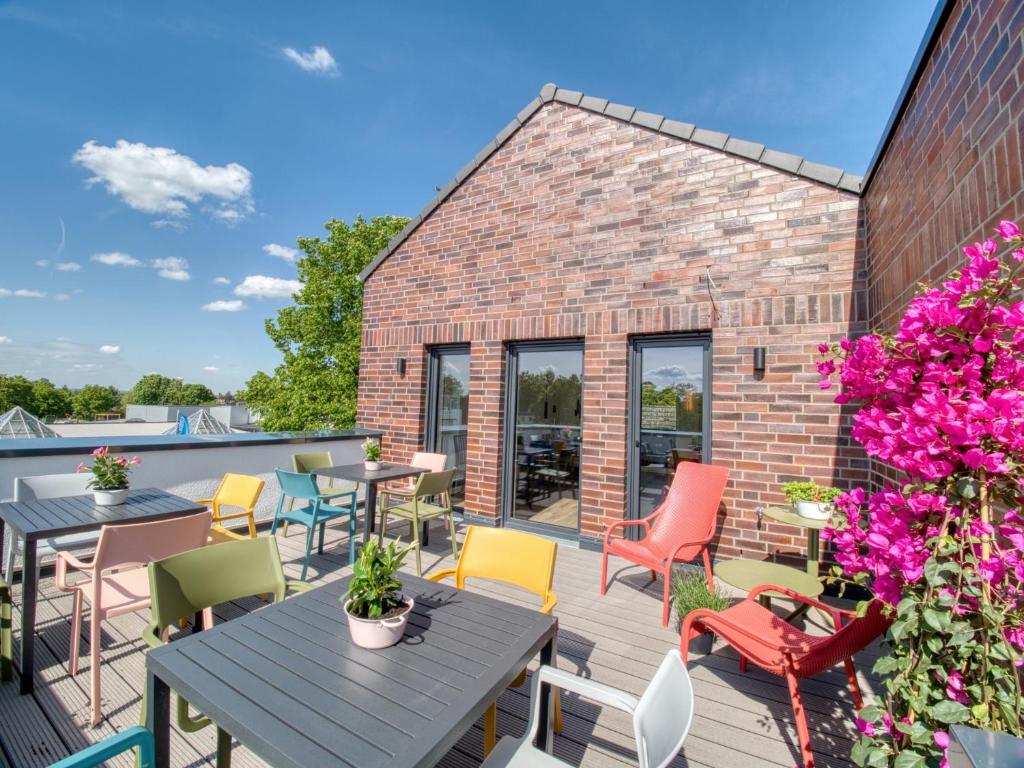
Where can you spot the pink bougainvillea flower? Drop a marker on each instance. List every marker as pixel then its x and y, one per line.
pixel 1008 230
pixel 941 739
pixel 868 729
pixel 955 687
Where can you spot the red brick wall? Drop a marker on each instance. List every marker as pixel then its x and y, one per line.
pixel 954 168
pixel 583 226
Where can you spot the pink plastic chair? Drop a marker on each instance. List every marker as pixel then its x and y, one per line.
pixel 117 579
pixel 677 531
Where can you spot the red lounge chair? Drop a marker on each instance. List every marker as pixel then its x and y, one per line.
pixel 778 647
pixel 677 531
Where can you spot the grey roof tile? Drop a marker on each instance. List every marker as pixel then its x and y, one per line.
pixel 823 173
pixel 748 149
pixel 647 120
pixel 678 129
pixel 594 104
pixel 568 97
pixel 507 131
pixel 619 111
pixel 781 160
pixel 851 182
pixel 547 93
pixel 527 112
pixel 713 139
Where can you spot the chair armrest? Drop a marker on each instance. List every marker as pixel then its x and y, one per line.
pixel 64 559
pixel 549 604
pixel 98 754
pixel 444 573
pixel 836 614
pixel 712 620
pixel 151 635
pixel 333 494
pixel 234 515
pixel 567 681
pixel 297 586
pixel 220 534
pixel 202 501
pixel 623 524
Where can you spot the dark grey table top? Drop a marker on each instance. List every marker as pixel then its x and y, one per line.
pixel 359 474
pixel 288 683
pixel 44 518
pixel 977 748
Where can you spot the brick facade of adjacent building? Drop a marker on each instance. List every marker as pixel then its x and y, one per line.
pixel 584 226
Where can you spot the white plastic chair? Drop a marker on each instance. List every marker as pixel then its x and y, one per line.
pixel 661 717
pixel 49 487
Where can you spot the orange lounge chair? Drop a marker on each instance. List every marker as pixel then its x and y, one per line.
pixel 677 531
pixel 778 647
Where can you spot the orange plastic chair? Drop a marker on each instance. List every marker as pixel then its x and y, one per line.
pixel 778 647
pixel 238 491
pixel 677 531
pixel 117 579
pixel 516 558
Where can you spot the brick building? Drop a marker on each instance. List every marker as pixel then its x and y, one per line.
pixel 602 293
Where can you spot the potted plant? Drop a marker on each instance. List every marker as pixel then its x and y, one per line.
pixel 811 500
pixel 377 611
pixel 690 591
pixel 109 477
pixel 371 454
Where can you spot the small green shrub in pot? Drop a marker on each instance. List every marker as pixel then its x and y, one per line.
pixel 371 453
pixel 690 592
pixel 810 499
pixel 377 610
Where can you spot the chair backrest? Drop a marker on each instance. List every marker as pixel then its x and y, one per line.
pixel 513 557
pixel 662 718
pixel 189 582
pixel 307 462
pixel 854 636
pixel 38 487
pixel 434 483
pixel 137 543
pixel 298 485
pixel 432 462
pixel 241 491
pixel 690 511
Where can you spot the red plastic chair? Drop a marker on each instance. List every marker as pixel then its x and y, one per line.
pixel 677 531
pixel 778 647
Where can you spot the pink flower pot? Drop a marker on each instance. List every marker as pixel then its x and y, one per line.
pixel 378 633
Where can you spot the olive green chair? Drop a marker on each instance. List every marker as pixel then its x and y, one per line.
pixel 6 671
pixel 308 463
pixel 193 582
pixel 418 510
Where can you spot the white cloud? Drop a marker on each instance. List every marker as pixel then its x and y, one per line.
pixel 281 251
pixel 6 340
pixel 318 59
pixel 160 180
pixel 110 349
pixel 42 262
pixel 67 266
pixel 235 305
pixel 211 368
pixel 172 268
pixel 86 366
pixel 61 296
pixel 117 259
pixel 221 281
pixel 25 293
pixel 267 287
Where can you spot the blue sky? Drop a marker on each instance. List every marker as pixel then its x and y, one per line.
pixel 147 150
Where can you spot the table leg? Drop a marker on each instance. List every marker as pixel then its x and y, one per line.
pixel 158 717
pixel 29 592
pixel 369 510
pixel 545 734
pixel 813 551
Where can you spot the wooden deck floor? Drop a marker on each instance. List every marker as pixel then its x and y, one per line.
pixel 740 719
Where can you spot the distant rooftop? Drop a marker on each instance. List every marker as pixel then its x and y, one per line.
pixel 19 423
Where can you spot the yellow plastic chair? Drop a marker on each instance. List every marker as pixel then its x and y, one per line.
pixel 307 464
pixel 238 491
pixel 516 558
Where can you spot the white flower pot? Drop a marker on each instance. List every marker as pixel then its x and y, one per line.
pixel 813 510
pixel 373 466
pixel 378 633
pixel 110 498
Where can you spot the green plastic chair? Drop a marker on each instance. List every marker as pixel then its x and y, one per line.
pixel 6 669
pixel 418 509
pixel 193 582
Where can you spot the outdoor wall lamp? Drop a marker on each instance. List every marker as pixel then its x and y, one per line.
pixel 759 356
pixel 400 366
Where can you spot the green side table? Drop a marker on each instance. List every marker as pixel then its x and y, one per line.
pixel 813 527
pixel 747 574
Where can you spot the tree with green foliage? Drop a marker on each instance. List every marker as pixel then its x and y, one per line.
pixel 154 389
pixel 15 390
pixel 50 401
pixel 93 399
pixel 316 385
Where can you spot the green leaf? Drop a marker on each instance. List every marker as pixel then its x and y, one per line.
pixel 937 620
pixel 884 666
pixel 949 711
pixel 878 758
pixel 908 758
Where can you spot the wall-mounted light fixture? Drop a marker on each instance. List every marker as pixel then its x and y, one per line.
pixel 400 366
pixel 759 357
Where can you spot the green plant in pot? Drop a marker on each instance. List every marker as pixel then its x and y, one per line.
pixel 371 454
pixel 377 611
pixel 109 481
pixel 691 592
pixel 811 500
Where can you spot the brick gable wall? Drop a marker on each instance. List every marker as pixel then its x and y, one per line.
pixel 581 226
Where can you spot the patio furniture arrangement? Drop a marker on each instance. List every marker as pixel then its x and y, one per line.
pixel 335 703
pixel 516 558
pixel 98 754
pixel 191 583
pixel 661 717
pixel 758 635
pixel 50 518
pixel 238 491
pixel 677 531
pixel 316 513
pixel 358 473
pixel 419 511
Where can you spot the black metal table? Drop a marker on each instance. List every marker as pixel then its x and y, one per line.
pixel 287 682
pixel 47 518
pixel 358 473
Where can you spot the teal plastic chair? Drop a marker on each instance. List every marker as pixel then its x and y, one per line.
pixel 317 512
pixel 134 738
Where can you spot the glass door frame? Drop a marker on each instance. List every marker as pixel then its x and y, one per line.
pixel 508 459
pixel 434 354
pixel 637 344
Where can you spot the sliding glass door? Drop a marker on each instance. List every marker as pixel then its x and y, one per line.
pixel 543 417
pixel 448 411
pixel 670 414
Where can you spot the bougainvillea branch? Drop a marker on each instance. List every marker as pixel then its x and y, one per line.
pixel 941 402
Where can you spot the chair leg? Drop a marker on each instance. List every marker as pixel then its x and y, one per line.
pixel 9 559
pixel 451 527
pixel 320 544
pixel 352 535
pixel 95 652
pixel 6 650
pixel 851 678
pixel 707 568
pixel 415 535
pixel 309 549
pixel 801 719
pixel 666 595
pixel 604 572
pixel 252 526
pixel 223 749
pixel 743 664
pixel 490 728
pixel 76 633
pixel 383 525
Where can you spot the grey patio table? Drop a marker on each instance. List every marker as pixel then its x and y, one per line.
pixel 287 682
pixel 48 518
pixel 358 473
